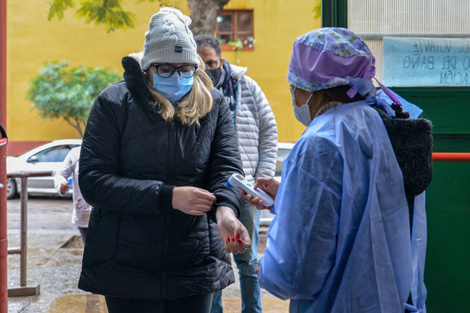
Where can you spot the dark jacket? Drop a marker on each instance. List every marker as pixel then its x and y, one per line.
pixel 138 246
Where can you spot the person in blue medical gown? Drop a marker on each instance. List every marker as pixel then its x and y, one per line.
pixel 341 240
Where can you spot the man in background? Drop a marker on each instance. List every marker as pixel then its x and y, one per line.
pixel 257 142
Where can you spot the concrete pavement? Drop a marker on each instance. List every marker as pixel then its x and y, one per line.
pixel 54 259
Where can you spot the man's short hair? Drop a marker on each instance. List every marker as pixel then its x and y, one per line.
pixel 207 41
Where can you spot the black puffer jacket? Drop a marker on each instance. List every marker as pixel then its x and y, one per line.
pixel 138 246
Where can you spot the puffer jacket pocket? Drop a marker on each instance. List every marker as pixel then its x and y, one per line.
pixel 189 243
pixel 102 237
pixel 142 242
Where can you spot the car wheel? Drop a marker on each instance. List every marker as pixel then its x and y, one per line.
pixel 11 189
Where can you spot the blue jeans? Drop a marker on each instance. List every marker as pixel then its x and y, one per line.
pixel 246 264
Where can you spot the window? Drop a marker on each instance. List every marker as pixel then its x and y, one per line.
pixel 233 25
pixel 435 23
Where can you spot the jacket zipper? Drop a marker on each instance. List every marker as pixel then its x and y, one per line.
pixel 171 174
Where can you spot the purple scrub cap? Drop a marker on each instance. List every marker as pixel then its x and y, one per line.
pixel 329 57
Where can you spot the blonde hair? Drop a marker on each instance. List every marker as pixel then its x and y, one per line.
pixel 195 105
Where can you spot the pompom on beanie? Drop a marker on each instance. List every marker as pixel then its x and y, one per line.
pixel 169 39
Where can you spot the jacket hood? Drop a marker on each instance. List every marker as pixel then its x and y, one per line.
pixel 136 81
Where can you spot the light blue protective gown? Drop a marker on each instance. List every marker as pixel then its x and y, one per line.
pixel 340 240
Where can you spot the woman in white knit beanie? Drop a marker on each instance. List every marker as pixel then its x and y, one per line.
pixel 156 155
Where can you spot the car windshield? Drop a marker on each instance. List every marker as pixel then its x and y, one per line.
pixel 54 154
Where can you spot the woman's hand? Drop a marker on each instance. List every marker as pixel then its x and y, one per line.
pixel 269 185
pixel 192 200
pixel 232 231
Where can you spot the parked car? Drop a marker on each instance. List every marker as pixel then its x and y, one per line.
pixel 47 157
pixel 283 150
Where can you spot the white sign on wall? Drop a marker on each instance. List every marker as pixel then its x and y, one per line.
pixel 411 62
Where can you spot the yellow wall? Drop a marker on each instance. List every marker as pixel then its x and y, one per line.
pixel 277 24
pixel 33 40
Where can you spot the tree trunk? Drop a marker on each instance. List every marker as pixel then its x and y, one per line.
pixel 204 15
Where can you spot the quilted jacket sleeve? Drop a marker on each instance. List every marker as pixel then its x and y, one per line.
pixel 225 158
pixel 267 134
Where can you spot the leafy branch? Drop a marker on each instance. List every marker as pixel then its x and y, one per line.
pixel 68 94
pixel 107 12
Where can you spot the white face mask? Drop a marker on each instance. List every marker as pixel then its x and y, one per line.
pixel 302 114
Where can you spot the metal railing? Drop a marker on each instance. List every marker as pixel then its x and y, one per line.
pixel 266 218
pixel 451 156
pixel 22 250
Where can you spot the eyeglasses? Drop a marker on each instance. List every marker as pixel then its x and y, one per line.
pixel 212 64
pixel 166 70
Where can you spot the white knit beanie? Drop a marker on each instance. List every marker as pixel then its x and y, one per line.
pixel 169 39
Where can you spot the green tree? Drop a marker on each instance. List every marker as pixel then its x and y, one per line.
pixel 61 93
pixel 113 16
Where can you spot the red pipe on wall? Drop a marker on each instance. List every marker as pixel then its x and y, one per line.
pixel 3 174
pixel 451 156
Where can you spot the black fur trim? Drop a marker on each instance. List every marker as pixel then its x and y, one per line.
pixel 137 83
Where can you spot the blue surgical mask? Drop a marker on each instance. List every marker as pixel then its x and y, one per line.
pixel 302 114
pixel 174 87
